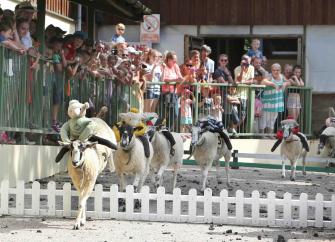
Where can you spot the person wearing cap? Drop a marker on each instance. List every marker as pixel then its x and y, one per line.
pixel 25 10
pixel 207 62
pixel 206 102
pixel 119 32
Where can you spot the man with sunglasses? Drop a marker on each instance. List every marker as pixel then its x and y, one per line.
pixel 222 74
pixel 119 32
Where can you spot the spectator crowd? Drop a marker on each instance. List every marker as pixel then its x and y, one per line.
pixel 145 69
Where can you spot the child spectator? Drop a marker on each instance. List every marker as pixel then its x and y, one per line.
pixel 233 102
pixel 217 108
pixel 34 53
pixel 186 101
pixel 22 27
pixel 293 99
pixel 58 82
pixel 119 32
pixel 6 33
pixel 206 102
pixel 254 51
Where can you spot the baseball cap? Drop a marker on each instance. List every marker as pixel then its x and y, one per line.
pixel 27 6
pixel 132 50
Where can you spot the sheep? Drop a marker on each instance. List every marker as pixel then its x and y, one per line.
pixel 86 161
pixel 293 146
pixel 326 147
pixel 129 158
pixel 162 157
pixel 208 149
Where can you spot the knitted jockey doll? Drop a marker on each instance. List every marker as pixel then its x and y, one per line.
pixel 133 119
pixel 294 129
pixel 152 120
pixel 79 127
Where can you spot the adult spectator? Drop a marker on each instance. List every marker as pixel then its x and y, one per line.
pixel 273 98
pixel 151 72
pixel 244 73
pixel 22 28
pixel 260 73
pixel 6 33
pixel 293 99
pixel 26 11
pixel 119 32
pixel 207 62
pixel 288 71
pixel 222 73
pixel 171 73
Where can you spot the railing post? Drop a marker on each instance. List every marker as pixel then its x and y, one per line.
pixel 196 116
pixel 308 111
pixel 251 109
pixel 235 160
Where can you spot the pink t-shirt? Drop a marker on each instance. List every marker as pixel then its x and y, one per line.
pixel 170 74
pixel 185 108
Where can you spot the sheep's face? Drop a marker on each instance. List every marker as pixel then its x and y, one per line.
pixel 287 131
pixel 77 149
pixel 126 132
pixel 325 145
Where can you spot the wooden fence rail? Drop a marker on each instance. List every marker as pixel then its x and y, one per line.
pixel 200 208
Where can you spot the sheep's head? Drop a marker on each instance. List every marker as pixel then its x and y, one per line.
pixel 126 133
pixel 289 127
pixel 77 149
pixel 325 147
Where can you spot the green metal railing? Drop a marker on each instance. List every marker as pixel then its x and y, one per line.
pixel 26 98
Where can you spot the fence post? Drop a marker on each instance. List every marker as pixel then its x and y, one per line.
pixel 239 207
pixel 271 208
pixel 145 203
pixel 224 206
pixel 98 201
pixel 161 203
pixel 208 206
pixel 192 205
pixel 251 109
pixel 287 209
pixel 255 207
pixel 20 198
pixel 113 201
pixel 4 195
pixel 51 198
pixel 67 200
pixel 35 198
pixel 303 210
pixel 176 204
pixel 319 210
pixel 333 211
pixel 235 160
pixel 129 202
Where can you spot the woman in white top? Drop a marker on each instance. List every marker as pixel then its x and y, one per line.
pixel 152 72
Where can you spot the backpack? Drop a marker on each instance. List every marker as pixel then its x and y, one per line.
pixel 258 107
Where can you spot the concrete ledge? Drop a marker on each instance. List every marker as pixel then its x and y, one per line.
pixel 28 162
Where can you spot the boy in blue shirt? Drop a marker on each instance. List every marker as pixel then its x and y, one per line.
pixel 254 51
pixel 6 32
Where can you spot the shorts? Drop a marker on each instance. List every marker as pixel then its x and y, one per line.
pixel 151 94
pixel 186 120
pixel 57 90
pixel 293 101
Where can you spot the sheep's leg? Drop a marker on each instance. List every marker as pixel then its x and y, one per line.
pixel 152 175
pixel 227 160
pixel 283 169
pixel 293 168
pixel 217 166
pixel 79 214
pixel 205 174
pixel 304 165
pixel 160 175
pixel 136 182
pixel 175 172
pixel 122 202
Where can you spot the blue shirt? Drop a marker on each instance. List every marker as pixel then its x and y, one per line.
pixel 255 53
pixel 118 39
pixel 2 38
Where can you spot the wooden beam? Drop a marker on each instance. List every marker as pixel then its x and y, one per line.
pixel 91 22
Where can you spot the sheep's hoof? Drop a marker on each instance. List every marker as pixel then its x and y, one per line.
pixel 282 176
pixel 82 223
pixel 229 185
pixel 76 226
pixel 292 178
pixel 137 204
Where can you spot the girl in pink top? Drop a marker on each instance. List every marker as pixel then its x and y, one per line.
pixel 186 110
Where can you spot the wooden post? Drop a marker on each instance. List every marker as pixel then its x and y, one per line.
pixel 91 22
pixel 41 6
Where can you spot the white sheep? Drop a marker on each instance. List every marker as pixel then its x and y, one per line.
pixel 130 159
pixel 293 146
pixel 162 158
pixel 86 161
pixel 326 146
pixel 208 149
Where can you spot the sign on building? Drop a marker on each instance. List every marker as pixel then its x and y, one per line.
pixel 150 28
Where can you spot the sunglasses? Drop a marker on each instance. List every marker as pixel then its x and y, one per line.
pixel 189 65
pixel 124 55
pixel 224 60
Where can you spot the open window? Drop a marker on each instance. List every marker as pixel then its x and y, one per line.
pixel 192 43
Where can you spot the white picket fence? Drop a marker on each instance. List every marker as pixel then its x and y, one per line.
pixel 33 207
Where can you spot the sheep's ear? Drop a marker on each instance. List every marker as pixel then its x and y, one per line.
pixel 66 144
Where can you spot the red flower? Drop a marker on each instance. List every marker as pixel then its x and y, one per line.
pixel 295 130
pixel 279 134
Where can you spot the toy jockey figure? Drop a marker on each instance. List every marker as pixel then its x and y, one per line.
pixel 294 129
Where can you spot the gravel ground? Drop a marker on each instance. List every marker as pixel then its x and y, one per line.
pixel 246 179
pixel 33 229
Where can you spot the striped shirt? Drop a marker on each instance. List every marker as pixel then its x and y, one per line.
pixel 272 99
